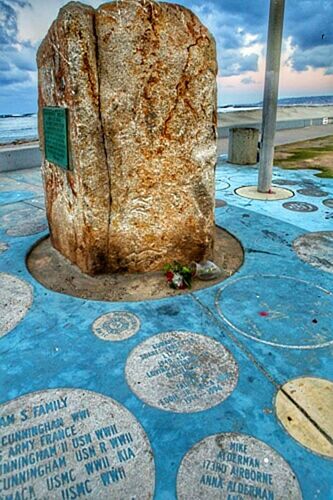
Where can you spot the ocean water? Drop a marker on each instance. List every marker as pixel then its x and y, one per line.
pixel 18 127
pixel 24 127
pixel 321 100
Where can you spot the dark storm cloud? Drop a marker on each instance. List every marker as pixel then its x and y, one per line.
pixel 15 64
pixel 235 64
pixel 8 25
pixel 253 13
pixel 4 65
pixel 306 21
pixel 8 20
pixel 316 57
pixel 17 59
pixel 308 24
pixel 12 76
pixel 229 29
pixel 25 58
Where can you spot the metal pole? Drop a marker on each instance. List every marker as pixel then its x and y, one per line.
pixel 273 57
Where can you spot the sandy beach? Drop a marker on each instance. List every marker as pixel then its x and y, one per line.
pixel 285 113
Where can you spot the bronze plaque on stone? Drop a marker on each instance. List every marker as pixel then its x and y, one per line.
pixel 55 135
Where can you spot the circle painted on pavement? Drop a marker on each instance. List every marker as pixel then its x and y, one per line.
pixel 299 206
pixel 316 249
pixel 304 406
pixel 24 222
pixel 270 316
pixel 116 326
pixel 221 185
pixel 220 203
pixel 305 181
pixel 251 192
pixel 182 372
pixel 95 442
pixel 15 301
pixel 232 465
pixel 312 191
pixel 285 182
pixel 328 203
pixel 242 178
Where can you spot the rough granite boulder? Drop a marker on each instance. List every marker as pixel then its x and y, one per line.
pixel 139 81
pixel 77 201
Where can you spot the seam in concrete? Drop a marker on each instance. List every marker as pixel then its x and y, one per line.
pixel 32 205
pixel 307 416
pixel 21 180
pixel 257 339
pixel 259 366
pixel 241 346
pixel 253 250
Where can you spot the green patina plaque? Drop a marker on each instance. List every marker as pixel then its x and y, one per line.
pixel 55 124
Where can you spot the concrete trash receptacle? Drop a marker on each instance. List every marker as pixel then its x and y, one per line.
pixel 243 144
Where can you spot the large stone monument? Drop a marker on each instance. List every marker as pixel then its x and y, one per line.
pixel 127 122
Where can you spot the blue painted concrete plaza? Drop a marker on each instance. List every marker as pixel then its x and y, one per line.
pixel 272 322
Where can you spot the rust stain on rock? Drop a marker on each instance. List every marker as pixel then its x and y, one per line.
pixel 139 80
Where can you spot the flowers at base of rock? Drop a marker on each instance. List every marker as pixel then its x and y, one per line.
pixel 178 277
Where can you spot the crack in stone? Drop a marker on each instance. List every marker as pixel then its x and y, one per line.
pixel 126 75
pixel 179 88
pixel 103 134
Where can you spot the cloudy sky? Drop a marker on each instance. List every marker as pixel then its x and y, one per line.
pixel 240 29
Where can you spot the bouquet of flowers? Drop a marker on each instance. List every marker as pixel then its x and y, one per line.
pixel 178 276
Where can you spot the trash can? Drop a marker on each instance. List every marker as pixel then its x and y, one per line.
pixel 243 144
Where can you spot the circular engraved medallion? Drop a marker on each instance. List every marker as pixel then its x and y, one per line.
pixel 235 466
pixel 270 316
pixel 304 406
pixel 15 301
pixel 312 191
pixel 24 222
pixel 328 203
pixel 115 326
pixel 71 443
pixel 316 249
pixel 299 206
pixel 181 372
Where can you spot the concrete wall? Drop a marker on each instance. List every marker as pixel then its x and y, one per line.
pixel 280 125
pixel 20 156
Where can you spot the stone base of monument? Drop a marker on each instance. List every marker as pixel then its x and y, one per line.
pixel 55 272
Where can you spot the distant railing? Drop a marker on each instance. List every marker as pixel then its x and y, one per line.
pixel 280 125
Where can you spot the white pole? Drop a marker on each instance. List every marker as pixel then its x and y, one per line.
pixel 273 57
